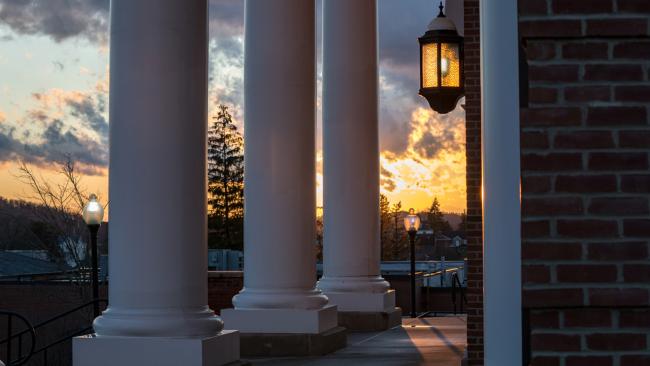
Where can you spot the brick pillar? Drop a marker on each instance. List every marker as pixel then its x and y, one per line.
pixel 473 177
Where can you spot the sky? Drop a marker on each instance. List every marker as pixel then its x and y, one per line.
pixel 54 84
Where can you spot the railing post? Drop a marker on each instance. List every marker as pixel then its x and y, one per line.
pixel 20 345
pixel 9 326
pixel 453 292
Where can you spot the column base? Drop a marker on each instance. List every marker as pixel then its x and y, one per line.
pixel 91 350
pixel 363 301
pixel 282 321
pixel 293 345
pixel 362 321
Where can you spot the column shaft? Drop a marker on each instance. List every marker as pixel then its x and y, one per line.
pixel 280 205
pixel 157 179
pixel 501 183
pixel 351 155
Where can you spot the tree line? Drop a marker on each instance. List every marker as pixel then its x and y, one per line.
pixel 54 223
pixel 393 236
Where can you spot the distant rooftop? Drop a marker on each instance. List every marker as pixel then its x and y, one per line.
pixel 18 265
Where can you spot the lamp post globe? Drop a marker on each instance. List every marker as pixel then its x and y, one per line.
pixel 442 65
pixel 93 212
pixel 412 225
pixel 93 215
pixel 412 221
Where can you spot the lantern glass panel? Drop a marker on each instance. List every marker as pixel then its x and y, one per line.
pixel 450 64
pixel 429 65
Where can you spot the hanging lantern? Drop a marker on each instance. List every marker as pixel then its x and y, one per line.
pixel 441 64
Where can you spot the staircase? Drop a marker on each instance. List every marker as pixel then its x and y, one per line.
pixel 23 344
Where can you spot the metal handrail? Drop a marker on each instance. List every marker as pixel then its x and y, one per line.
pixel 59 316
pixel 439 272
pixel 455 283
pixel 30 329
pixel 443 272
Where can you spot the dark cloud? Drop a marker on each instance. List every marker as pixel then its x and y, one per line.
pixel 388 184
pixel 226 18
pixel 59 19
pixel 91 113
pixel 56 145
pixel 400 24
pixel 8 144
pixel 387 181
pixel 431 144
pixel 56 140
pixel 59 143
pixel 89 19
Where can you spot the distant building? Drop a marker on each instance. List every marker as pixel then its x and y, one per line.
pixel 458 241
pixel 225 260
pixel 37 254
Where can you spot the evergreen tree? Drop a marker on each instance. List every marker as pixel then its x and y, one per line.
pixel 462 227
pixel 225 182
pixel 437 218
pixel 398 244
pixel 384 224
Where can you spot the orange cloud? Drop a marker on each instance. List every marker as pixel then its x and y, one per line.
pixel 432 165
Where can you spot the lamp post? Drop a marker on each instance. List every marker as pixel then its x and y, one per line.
pixel 93 214
pixel 442 64
pixel 412 224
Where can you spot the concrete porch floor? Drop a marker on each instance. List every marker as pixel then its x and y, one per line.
pixel 438 341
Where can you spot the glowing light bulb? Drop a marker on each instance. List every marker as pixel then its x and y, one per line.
pixel 444 66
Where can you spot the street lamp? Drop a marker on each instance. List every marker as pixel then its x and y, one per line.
pixel 412 224
pixel 93 214
pixel 442 66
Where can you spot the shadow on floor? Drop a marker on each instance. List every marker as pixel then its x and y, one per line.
pixel 439 341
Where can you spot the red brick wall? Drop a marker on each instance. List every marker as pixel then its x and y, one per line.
pixel 474 214
pixel 585 142
pixel 585 179
pixel 222 286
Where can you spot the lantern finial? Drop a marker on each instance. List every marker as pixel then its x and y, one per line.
pixel 441 7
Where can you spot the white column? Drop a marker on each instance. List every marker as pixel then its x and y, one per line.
pixel 279 294
pixel 352 277
pixel 501 197
pixel 157 185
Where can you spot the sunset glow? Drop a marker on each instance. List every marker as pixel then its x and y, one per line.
pixel 55 83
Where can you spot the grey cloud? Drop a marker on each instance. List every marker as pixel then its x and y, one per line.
pixel 430 145
pixel 91 114
pixel 8 144
pixel 400 23
pixel 388 184
pixel 57 141
pixel 56 146
pixel 89 19
pixel 59 19
pixel 385 173
pixel 226 18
